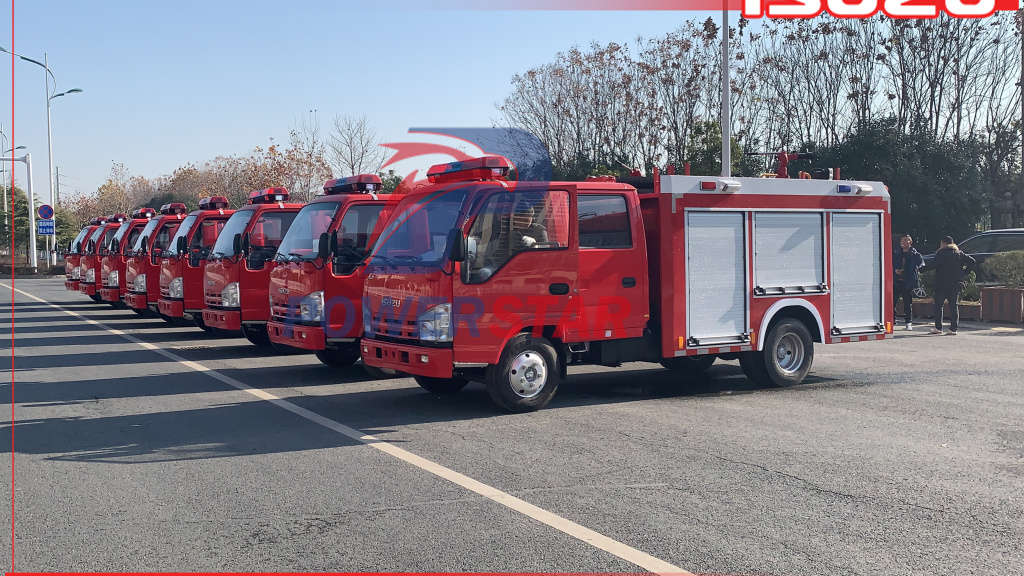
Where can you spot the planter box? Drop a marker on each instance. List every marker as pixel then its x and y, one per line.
pixel 968 311
pixel 1003 305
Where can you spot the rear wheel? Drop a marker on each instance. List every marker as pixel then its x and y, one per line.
pixel 258 336
pixel 441 385
pixel 526 376
pixel 338 357
pixel 786 358
pixel 689 364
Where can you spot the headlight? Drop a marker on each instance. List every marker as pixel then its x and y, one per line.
pixel 76 273
pixel 311 308
pixel 175 290
pixel 229 296
pixel 90 275
pixel 140 283
pixel 112 278
pixel 435 324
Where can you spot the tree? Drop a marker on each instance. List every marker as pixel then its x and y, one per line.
pixel 355 147
pixel 306 168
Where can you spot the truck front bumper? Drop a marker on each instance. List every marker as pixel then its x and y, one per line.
pixel 414 360
pixel 87 289
pixel 136 301
pixel 297 335
pixel 223 319
pixel 72 285
pixel 110 294
pixel 172 308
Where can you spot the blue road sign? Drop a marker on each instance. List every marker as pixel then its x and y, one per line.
pixel 45 227
pixel 46 211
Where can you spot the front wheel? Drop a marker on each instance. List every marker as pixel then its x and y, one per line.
pixel 786 358
pixel 441 385
pixel 526 376
pixel 338 357
pixel 256 336
pixel 382 373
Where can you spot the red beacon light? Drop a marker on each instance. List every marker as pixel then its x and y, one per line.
pixel 268 196
pixel 97 221
pixel 146 213
pixel 366 183
pixel 483 168
pixel 174 208
pixel 117 218
pixel 214 203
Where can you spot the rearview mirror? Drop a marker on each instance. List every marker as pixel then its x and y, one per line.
pixel 182 245
pixel 236 245
pixel 144 247
pixel 324 247
pixel 115 246
pixel 457 248
pixel 246 244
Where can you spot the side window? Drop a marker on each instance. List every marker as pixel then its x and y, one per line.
pixel 604 222
pixel 978 245
pixel 206 236
pixel 133 237
pixel 1009 242
pixel 354 235
pixel 512 222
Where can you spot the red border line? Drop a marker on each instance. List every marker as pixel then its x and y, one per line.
pixel 11 228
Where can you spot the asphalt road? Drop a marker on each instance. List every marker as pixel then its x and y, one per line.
pixel 170 452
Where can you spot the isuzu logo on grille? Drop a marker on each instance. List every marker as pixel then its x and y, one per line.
pixel 389 301
pixel 210 282
pixel 282 290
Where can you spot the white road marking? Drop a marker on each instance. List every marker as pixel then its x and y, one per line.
pixel 582 533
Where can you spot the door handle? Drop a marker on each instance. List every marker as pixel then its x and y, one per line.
pixel 559 288
pixel 628 282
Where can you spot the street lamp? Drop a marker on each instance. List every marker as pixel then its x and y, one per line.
pixel 49 137
pixel 3 165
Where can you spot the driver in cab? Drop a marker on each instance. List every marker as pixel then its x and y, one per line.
pixel 526 233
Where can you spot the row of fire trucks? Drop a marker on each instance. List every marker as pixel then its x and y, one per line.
pixel 473 277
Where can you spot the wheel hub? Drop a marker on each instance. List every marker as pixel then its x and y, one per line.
pixel 528 374
pixel 789 354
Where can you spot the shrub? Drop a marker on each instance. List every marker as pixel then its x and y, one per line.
pixel 1006 268
pixel 971 293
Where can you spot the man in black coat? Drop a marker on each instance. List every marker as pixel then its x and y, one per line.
pixel 906 261
pixel 951 266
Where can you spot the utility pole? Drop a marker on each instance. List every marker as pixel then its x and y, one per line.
pixel 726 131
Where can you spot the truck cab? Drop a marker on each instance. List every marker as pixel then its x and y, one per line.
pixel 316 286
pixel 236 278
pixel 73 258
pixel 142 270
pixel 182 262
pixel 94 251
pixel 114 257
pixel 476 278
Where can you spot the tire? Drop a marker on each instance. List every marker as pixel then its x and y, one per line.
pixel 96 298
pixel 168 319
pixel 338 357
pixel 144 313
pixel 689 365
pixel 381 373
pixel 526 376
pixel 257 336
pixel 786 358
pixel 441 385
pixel 198 319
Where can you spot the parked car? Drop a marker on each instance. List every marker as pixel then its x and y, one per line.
pixel 985 244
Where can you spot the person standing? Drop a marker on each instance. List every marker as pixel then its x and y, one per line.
pixel 951 266
pixel 906 261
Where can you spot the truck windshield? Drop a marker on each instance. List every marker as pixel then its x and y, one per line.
pixel 94 240
pixel 75 244
pixel 302 241
pixel 107 237
pixel 186 225
pixel 418 233
pixel 146 233
pixel 224 246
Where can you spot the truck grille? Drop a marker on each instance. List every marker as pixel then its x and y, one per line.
pixel 284 313
pixel 387 326
pixel 165 292
pixel 214 299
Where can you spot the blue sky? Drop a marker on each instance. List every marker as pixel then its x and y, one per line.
pixel 167 83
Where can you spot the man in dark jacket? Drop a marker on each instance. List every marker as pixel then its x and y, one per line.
pixel 951 266
pixel 906 261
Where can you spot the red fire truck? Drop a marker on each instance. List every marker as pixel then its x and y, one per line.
pixel 94 251
pixel 144 258
pixel 236 279
pixel 114 257
pixel 479 279
pixel 73 257
pixel 182 263
pixel 316 287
